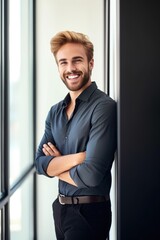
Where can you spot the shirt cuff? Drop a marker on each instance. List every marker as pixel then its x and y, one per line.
pixel 42 164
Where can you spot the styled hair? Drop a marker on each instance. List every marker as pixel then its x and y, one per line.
pixel 64 37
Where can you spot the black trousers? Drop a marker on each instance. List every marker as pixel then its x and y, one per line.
pixel 82 221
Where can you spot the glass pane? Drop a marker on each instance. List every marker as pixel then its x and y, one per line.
pixel 21 212
pixel 0 225
pixel 20 78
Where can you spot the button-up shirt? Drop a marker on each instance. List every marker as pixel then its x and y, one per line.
pixel 91 128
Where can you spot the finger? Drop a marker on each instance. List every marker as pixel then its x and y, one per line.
pixel 48 149
pixel 45 152
pixel 54 149
pixel 51 146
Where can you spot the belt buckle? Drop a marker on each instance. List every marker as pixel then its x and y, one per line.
pixel 59 198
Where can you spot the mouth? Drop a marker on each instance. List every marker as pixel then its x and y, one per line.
pixel 73 76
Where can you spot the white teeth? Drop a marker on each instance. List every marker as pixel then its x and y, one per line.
pixel 72 76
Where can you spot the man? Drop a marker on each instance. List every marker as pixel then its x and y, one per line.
pixel 79 143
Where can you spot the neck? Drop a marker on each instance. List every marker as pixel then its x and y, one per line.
pixel 75 94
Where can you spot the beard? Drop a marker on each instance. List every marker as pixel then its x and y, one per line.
pixel 81 83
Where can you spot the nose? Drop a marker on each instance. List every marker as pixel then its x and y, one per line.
pixel 71 67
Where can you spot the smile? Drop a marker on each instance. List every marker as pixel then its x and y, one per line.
pixel 73 76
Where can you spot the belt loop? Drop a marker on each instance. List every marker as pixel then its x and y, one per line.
pixel 77 200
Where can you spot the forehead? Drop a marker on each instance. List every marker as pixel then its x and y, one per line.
pixel 71 50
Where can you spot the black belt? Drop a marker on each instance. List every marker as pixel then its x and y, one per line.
pixel 81 199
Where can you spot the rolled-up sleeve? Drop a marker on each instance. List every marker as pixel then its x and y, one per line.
pixel 42 161
pixel 100 148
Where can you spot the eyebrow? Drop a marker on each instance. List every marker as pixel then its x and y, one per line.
pixel 77 57
pixel 62 59
pixel 74 58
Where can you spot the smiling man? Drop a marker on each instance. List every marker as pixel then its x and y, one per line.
pixel 74 69
pixel 79 143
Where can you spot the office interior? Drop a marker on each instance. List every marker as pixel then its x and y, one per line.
pixel 126 37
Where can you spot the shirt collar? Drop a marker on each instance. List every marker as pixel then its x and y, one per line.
pixel 84 96
pixel 66 100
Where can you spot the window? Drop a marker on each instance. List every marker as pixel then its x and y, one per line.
pixel 21 212
pixel 20 88
pixel 0 226
pixel 17 120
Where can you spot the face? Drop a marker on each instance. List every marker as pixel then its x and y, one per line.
pixel 74 68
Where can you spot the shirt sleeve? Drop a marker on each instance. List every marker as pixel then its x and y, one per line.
pixel 100 148
pixel 42 161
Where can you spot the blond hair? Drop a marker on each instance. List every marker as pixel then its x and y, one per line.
pixel 64 37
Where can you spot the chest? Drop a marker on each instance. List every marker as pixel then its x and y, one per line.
pixel 71 129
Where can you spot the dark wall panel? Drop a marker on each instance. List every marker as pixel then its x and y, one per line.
pixel 139 121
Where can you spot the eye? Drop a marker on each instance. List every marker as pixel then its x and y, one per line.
pixel 62 63
pixel 78 60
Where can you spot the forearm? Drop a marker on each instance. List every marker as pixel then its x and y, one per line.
pixel 65 176
pixel 61 164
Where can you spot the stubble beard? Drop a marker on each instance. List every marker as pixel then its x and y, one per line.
pixel 83 82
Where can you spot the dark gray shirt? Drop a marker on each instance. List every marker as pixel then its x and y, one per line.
pixel 91 128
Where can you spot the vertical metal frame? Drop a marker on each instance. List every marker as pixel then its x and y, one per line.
pixel 34 119
pixel 4 123
pixel 106 22
pixel 5 117
pixel 5 95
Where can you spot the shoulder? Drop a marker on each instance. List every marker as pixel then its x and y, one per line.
pixel 56 106
pixel 103 99
pixel 104 107
pixel 55 109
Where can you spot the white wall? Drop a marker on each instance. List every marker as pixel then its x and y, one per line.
pixel 54 16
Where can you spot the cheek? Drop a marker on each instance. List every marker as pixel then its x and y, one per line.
pixel 61 74
pixel 61 71
pixel 84 68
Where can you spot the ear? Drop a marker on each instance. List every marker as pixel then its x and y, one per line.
pixel 91 64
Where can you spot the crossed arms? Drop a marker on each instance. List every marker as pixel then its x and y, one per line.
pixel 60 165
pixel 81 169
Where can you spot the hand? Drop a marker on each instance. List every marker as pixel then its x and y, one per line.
pixel 50 150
